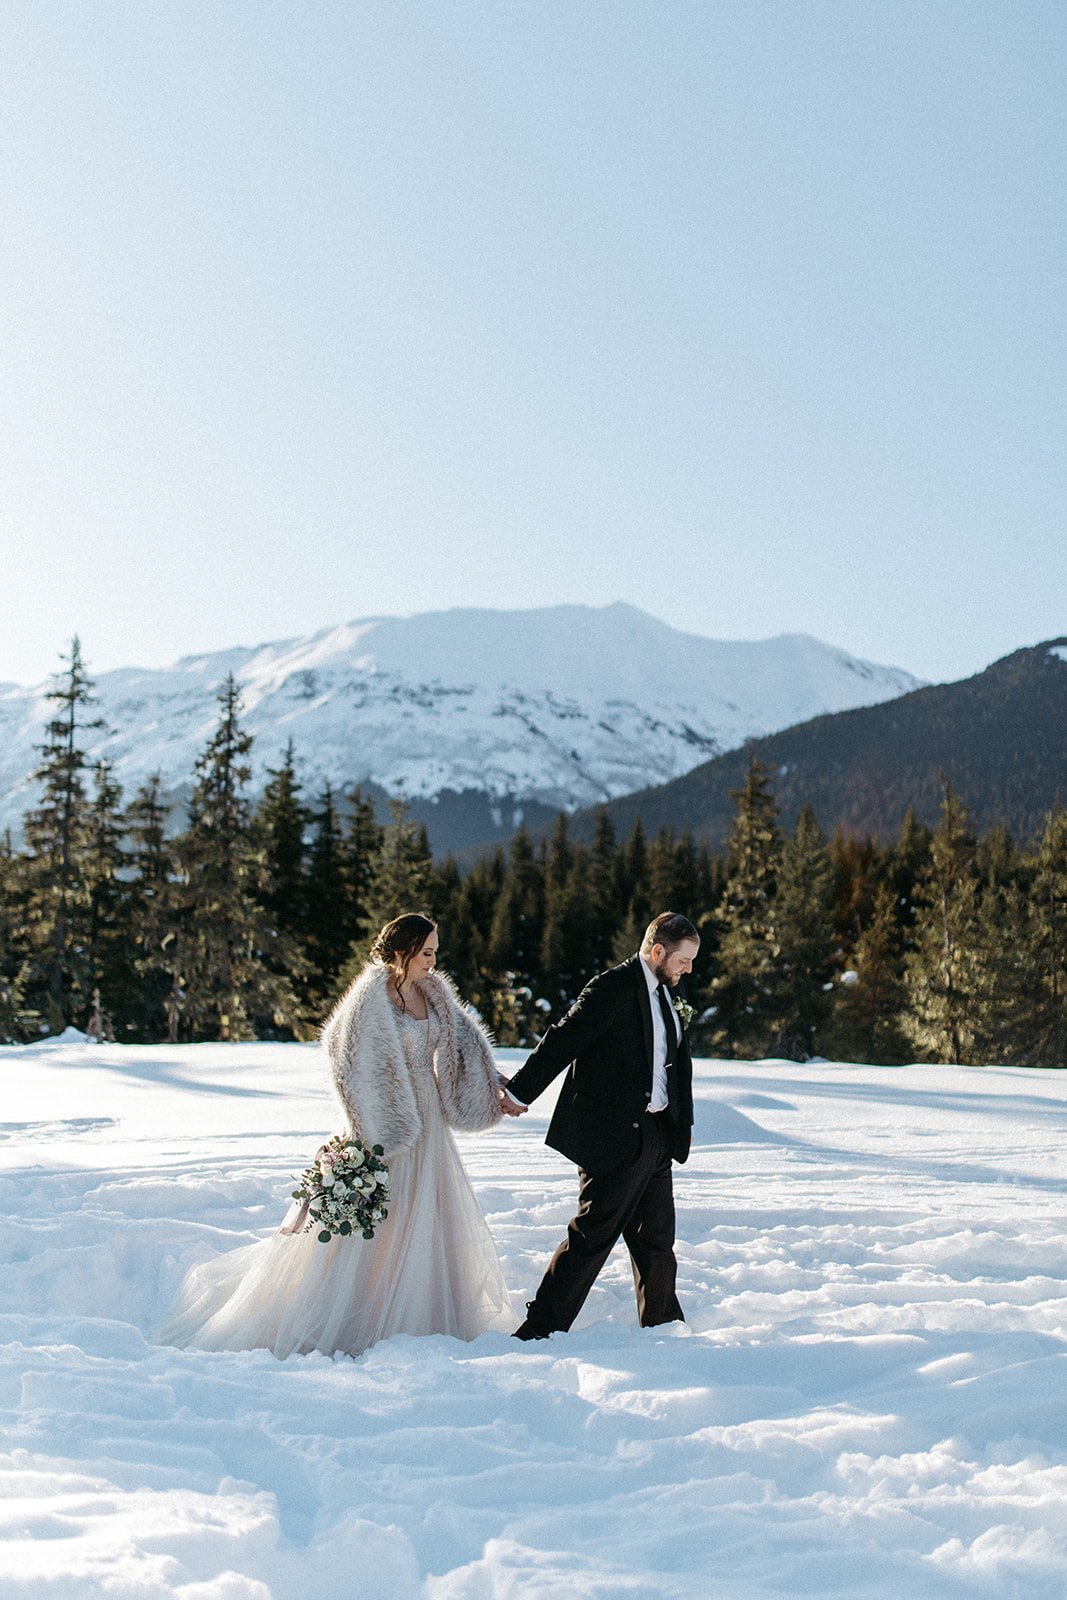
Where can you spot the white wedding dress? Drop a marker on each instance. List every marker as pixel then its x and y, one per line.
pixel 432 1266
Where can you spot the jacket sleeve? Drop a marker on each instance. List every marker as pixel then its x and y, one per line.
pixel 466 1068
pixel 588 1019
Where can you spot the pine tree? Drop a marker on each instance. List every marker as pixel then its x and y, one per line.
pixel 747 991
pixel 1047 952
pixel 18 1021
pixel 629 933
pixel 559 856
pixel 804 930
pixel 559 861
pixel 856 867
pixel 516 928
pixel 332 916
pixel 110 973
pixel 634 891
pixel 1006 998
pixel 469 908
pixel 579 927
pixel 712 871
pixel 606 901
pixel 664 891
pixel 513 950
pixel 685 887
pixel 998 861
pixel 443 896
pixel 903 869
pixel 710 881
pixel 56 832
pixel 154 929
pixel 400 878
pixel 450 904
pixel 944 969
pixel 364 840
pixel 282 821
pixel 870 998
pixel 239 970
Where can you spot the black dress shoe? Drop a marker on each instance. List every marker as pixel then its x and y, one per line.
pixel 528 1330
pixel 531 1328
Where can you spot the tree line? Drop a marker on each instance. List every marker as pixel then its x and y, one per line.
pixel 250 919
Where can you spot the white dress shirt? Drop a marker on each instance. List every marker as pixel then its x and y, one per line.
pixel 658 1101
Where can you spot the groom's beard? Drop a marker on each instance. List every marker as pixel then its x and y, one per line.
pixel 664 976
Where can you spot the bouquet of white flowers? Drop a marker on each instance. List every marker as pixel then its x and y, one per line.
pixel 344 1189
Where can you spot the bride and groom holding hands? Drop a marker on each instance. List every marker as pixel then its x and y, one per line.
pixel 409 1063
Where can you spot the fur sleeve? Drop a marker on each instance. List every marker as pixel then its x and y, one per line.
pixel 466 1069
pixel 368 1068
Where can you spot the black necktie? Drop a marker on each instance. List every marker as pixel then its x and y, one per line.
pixel 668 1022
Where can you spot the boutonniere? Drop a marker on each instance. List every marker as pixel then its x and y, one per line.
pixel 685 1011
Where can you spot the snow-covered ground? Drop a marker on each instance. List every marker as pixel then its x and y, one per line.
pixel 869 1397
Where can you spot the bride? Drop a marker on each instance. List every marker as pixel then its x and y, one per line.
pixel 408 1060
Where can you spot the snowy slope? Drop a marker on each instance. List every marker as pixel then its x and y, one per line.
pixel 869 1398
pixel 568 706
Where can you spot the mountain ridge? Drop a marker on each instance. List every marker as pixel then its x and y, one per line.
pixel 555 707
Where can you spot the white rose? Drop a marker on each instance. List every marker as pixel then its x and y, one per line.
pixel 328 1179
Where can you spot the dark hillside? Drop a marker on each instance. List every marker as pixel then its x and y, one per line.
pixel 999 737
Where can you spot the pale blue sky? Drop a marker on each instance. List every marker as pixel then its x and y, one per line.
pixel 751 314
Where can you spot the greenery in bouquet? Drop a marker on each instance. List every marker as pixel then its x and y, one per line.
pixel 345 1188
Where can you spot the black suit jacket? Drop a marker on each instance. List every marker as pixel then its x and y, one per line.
pixel 606 1041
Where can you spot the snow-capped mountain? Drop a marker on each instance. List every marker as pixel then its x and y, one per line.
pixel 560 707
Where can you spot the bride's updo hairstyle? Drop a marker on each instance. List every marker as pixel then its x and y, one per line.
pixel 397 945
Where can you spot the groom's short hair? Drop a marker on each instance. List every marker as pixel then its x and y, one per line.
pixel 668 929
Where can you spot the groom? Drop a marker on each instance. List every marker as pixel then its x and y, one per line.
pixel 624 1111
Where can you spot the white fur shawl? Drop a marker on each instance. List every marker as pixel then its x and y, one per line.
pixel 362 1040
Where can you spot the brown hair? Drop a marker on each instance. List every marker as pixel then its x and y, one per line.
pixel 670 928
pixel 398 943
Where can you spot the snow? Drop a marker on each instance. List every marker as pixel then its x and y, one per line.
pixel 869 1398
pixel 568 705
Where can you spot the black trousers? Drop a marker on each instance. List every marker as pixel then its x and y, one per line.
pixel 635 1202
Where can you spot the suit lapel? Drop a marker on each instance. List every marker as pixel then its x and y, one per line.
pixel 644 1005
pixel 682 1050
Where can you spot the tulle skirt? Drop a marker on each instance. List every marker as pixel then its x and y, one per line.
pixel 432 1267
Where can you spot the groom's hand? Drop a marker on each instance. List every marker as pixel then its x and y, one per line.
pixel 510 1107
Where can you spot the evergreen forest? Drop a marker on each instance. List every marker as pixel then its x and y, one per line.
pixel 249 921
